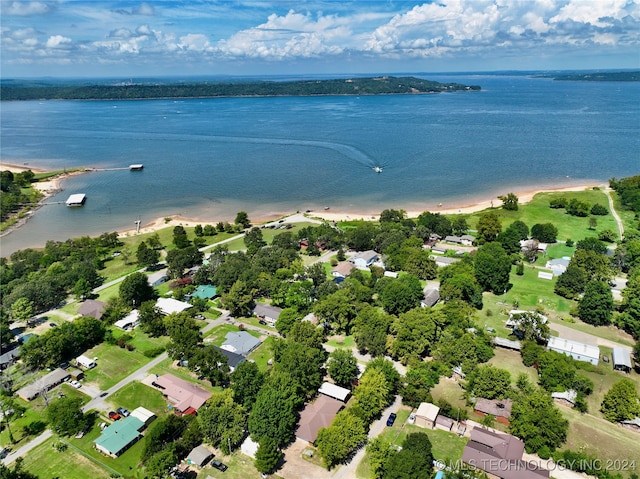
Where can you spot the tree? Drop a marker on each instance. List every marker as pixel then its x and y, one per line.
pixel 253 240
pixel 489 382
pixel 267 456
pixel 286 319
pixel 419 380
pixel 521 228
pixel 572 282
pixel 209 362
pixel 147 256
pixel 343 367
pixel 621 402
pixel 180 238
pixel 575 207
pixel 242 219
pixel 371 394
pixel 596 306
pixel 420 263
pixel 399 295
pixel 22 309
pixel 370 331
pixel 537 421
pixel 17 472
pixel 459 225
pixel 413 333
pixel 509 202
pixel 489 227
pixel 338 310
pixel 135 289
pixel 392 216
pixel 162 462
pixel 162 433
pixel 246 381
pixel 81 289
pixel 274 413
pixel 545 232
pixel 222 421
pixel 345 434
pixel 413 461
pixel 305 364
pixel 65 416
pixel 531 327
pixel 492 266
pixel 599 210
pixel 239 300
pixel 592 243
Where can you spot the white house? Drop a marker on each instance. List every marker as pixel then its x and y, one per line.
pixel 364 259
pixel 558 265
pixel 130 321
pixel 578 351
pixel 170 305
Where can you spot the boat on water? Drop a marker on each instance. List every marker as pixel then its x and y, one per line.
pixel 76 200
pixel 377 169
pixel 136 167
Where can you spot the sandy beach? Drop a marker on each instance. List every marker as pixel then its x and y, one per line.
pixel 52 186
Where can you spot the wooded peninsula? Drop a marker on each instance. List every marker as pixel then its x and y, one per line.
pixel 385 85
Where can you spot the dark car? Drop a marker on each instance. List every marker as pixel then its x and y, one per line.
pixel 114 415
pixel 218 465
pixel 392 419
pixel 53 325
pixel 64 365
pixel 262 321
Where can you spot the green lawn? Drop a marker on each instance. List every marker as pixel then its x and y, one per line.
pixel 136 394
pixel 446 446
pixel 262 354
pixel 217 335
pixel 240 467
pixel 141 341
pixel 346 342
pixel 512 362
pixel 113 364
pixel 538 211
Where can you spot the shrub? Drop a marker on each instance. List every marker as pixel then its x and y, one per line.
pixel 152 353
pixel 544 452
pixel 599 210
pixel 520 269
pixel 560 202
pixel 569 242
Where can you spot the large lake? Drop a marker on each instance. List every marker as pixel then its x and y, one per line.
pixel 210 158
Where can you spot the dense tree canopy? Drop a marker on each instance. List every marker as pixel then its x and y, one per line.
pixel 345 434
pixel 596 306
pixel 621 401
pixel 537 421
pixel 135 289
pixel 65 416
pixel 492 266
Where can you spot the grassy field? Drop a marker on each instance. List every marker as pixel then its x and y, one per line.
pixel 136 394
pixel 141 341
pixel 346 342
pixel 262 354
pixel 114 364
pixel 268 234
pixel 538 211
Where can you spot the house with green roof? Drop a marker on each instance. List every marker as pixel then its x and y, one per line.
pixel 119 436
pixel 205 291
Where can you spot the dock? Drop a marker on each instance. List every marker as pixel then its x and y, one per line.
pixel 76 200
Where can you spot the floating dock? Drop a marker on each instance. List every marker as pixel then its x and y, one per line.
pixel 137 167
pixel 76 200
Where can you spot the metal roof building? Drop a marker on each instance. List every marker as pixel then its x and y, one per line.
pixel 578 351
pixel 119 436
pixel 621 359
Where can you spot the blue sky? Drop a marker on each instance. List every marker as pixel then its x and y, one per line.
pixel 75 38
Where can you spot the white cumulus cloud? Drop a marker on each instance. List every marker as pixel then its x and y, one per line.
pixel 59 41
pixel 24 8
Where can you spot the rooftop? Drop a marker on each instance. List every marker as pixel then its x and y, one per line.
pixel 317 415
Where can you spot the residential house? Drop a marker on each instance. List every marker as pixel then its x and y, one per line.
pixel 45 383
pixel 565 398
pixel 453 239
pixel 364 259
pixel 8 358
pixel 158 277
pixel 268 313
pixel 205 291
pixel 621 359
pixel 426 415
pixel 186 397
pixel 92 308
pixel 233 359
pixel 130 321
pixel 500 456
pixel 431 296
pixel 444 260
pixel 445 423
pixel 169 305
pixel 143 414
pixel 558 265
pixel 578 351
pixel 334 391
pixel 199 456
pixel 500 409
pixel 317 415
pixel 342 270
pixel 507 343
pixel 467 240
pixel 119 436
pixel 240 342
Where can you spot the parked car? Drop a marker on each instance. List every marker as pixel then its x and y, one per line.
pixel 218 465
pixel 64 365
pixel 412 418
pixel 114 415
pixel 122 411
pixel 263 322
pixel 392 419
pixel 76 384
pixel 52 325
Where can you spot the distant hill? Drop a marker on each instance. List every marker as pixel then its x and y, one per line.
pixel 598 76
pixel 386 85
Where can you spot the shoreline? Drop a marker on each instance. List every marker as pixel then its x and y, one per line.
pixel 524 196
pixel 53 186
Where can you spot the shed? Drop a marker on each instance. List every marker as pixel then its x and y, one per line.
pixel 199 456
pixel 76 373
pixel 507 343
pixel 85 362
pixel 334 391
pixel 566 398
pixel 500 409
pixel 143 414
pixel 621 359
pixel 445 260
pixel 249 447
pixel 92 308
pixel 426 415
pixel 445 423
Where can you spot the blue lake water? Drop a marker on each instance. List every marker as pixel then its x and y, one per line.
pixel 210 158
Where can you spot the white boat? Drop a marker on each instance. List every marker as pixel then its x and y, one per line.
pixel 377 169
pixel 76 200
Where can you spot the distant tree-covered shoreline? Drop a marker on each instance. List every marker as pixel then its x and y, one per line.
pixel 355 86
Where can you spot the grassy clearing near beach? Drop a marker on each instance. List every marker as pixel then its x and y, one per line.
pixel 538 211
